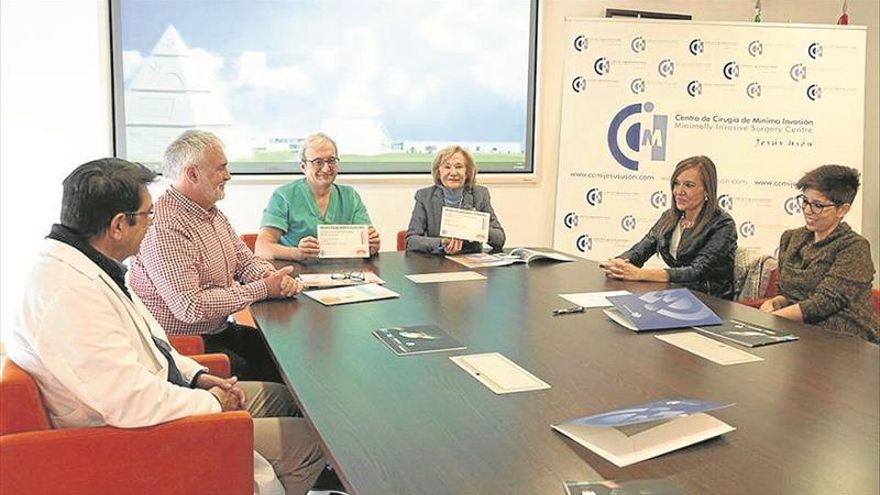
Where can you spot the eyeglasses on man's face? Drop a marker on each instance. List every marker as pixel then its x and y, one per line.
pixel 353 276
pixel 318 163
pixel 148 213
pixel 815 207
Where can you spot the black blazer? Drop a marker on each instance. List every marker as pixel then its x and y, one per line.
pixel 704 262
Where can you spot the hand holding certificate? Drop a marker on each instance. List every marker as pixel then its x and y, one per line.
pixel 343 241
pixel 468 225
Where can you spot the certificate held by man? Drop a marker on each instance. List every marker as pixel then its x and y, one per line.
pixel 468 225
pixel 343 241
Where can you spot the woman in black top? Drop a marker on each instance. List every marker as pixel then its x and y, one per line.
pixel 695 238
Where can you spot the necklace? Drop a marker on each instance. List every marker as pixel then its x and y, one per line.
pixel 685 223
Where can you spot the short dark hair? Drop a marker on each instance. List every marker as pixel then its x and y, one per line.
pixel 838 183
pixel 99 190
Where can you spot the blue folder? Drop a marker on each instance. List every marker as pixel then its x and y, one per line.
pixel 660 309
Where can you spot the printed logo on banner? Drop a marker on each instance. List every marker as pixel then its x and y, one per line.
pixel 583 243
pixel 580 43
pixel 747 229
pixel 570 220
pixel 695 46
pixel 814 50
pixel 628 223
pixel 635 137
pixel 695 88
pixel 637 86
pixel 594 196
pixel 578 84
pixel 602 66
pixel 725 201
pixel 659 200
pixel 814 92
pixel 638 44
pixel 730 70
pixel 791 206
pixel 666 67
pixel 753 90
pixel 798 72
pixel 756 48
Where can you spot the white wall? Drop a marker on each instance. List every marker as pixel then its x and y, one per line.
pixel 55 114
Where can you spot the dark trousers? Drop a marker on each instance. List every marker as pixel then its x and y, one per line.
pixel 248 354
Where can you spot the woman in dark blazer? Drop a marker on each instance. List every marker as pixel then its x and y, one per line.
pixel 695 238
pixel 454 186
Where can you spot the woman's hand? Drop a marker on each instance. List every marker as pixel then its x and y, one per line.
pixel 621 269
pixel 452 245
pixel 774 304
pixel 308 248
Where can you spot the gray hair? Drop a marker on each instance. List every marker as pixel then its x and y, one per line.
pixel 316 138
pixel 188 149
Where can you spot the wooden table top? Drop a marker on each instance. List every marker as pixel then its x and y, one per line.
pixel 807 417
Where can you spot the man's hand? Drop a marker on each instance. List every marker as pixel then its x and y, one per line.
pixel 231 398
pixel 373 240
pixel 452 245
pixel 280 284
pixel 308 248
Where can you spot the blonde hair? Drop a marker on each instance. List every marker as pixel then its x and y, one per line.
pixel 445 154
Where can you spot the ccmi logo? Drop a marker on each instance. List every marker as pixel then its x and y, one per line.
pixel 666 67
pixel 578 84
pixel 730 70
pixel 814 50
pixel 580 43
pixel 673 306
pixel 635 137
pixel 628 223
pixel 725 202
pixel 695 88
pixel 814 92
pixel 659 200
pixel 791 206
pixel 570 220
pixel 638 44
pixel 798 72
pixel 747 229
pixel 695 46
pixel 602 66
pixel 756 48
pixel 594 196
pixel 637 86
pixel 753 90
pixel 584 243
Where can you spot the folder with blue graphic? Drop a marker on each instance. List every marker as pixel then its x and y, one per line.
pixel 660 310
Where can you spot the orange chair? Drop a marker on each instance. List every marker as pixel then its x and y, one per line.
pixel 876 294
pixel 244 317
pixel 211 453
pixel 401 240
pixel 250 240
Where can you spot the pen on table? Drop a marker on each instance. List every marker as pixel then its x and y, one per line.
pixel 567 311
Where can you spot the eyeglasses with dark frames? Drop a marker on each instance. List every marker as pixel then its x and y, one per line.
pixel 149 213
pixel 817 208
pixel 353 276
pixel 319 163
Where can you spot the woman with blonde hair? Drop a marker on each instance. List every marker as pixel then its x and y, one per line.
pixel 694 237
pixel 455 174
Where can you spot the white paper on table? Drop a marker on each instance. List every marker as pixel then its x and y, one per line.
pixel 707 348
pixel 469 225
pixel 499 374
pixel 343 241
pixel 592 299
pixel 428 278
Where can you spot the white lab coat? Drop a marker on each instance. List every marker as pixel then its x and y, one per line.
pixel 89 348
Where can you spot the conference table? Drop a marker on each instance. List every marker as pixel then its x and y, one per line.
pixel 807 417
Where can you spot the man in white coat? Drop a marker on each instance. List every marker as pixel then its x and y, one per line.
pixel 100 358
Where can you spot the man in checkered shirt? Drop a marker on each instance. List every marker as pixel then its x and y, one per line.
pixel 193 271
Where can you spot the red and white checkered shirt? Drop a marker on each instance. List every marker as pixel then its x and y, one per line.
pixel 192 270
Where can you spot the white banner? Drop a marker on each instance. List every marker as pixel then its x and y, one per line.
pixel 766 102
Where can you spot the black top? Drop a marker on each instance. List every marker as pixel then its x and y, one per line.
pixel 704 261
